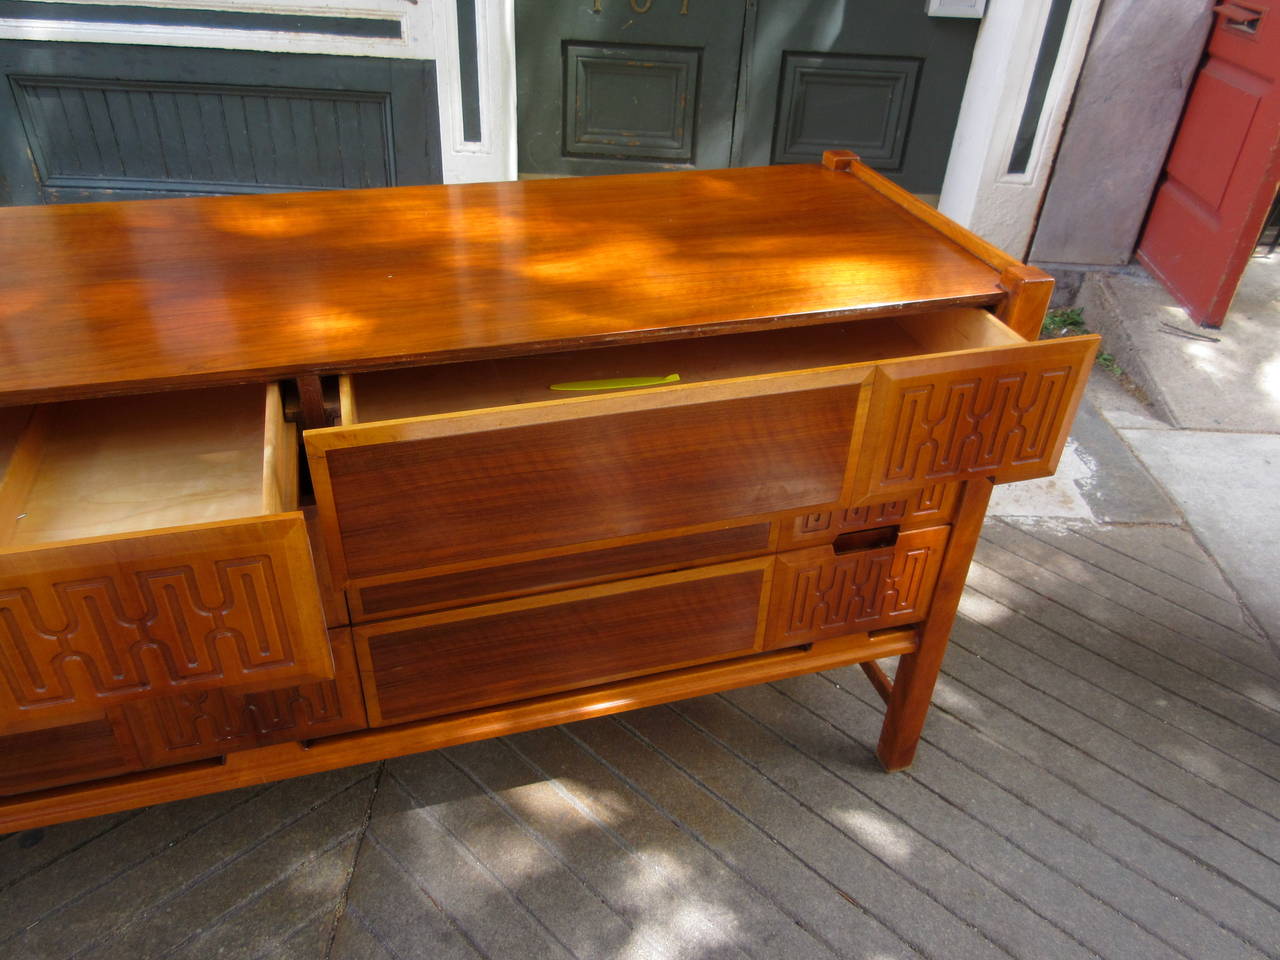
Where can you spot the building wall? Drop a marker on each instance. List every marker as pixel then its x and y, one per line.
pixel 1140 66
pixel 985 189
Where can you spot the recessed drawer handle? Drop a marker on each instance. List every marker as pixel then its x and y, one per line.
pixel 875 538
pixel 616 383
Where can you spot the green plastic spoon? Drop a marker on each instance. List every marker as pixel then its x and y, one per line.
pixel 617 383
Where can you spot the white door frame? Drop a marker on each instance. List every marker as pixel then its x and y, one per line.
pixel 978 190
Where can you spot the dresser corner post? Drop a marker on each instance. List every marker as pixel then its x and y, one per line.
pixel 840 160
pixel 917 672
pixel 1028 290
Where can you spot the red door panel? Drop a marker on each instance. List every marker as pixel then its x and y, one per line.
pixel 1222 172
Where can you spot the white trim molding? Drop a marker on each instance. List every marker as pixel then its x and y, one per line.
pixel 416 41
pixel 973 9
pixel 493 156
pixel 978 190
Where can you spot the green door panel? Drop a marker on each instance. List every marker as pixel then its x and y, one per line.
pixel 89 121
pixel 622 86
pixel 878 77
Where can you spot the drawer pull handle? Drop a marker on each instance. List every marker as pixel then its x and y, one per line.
pixel 1238 17
pixel 876 538
pixel 616 383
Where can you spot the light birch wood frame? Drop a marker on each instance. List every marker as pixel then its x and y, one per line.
pixel 275 446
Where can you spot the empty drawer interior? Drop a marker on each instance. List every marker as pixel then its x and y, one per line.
pixel 104 467
pixel 415 392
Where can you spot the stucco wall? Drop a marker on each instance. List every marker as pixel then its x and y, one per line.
pixel 1140 65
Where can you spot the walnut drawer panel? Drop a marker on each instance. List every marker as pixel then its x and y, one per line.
pixel 89 750
pixel 411 495
pixel 97 608
pixel 448 662
pixel 558 571
pixel 210 723
pixel 928 506
pixel 487 472
pixel 819 592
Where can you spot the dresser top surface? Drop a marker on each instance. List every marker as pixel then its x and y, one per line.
pixel 125 297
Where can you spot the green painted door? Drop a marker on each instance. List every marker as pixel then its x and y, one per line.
pixel 100 121
pixel 623 86
pixel 618 86
pixel 879 77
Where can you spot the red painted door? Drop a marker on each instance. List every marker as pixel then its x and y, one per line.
pixel 1222 172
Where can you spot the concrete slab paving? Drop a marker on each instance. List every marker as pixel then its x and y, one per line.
pixel 1098 476
pixel 1119 404
pixel 1228 484
pixel 1195 378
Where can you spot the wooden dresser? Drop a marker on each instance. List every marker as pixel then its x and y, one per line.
pixel 299 481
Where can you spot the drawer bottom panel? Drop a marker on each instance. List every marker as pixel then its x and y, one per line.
pixel 448 662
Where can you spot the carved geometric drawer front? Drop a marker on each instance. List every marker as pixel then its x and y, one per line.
pixel 87 625
pixel 929 505
pixel 208 723
pixel 819 593
pixel 1003 414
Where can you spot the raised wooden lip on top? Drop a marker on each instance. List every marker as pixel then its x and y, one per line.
pixel 108 298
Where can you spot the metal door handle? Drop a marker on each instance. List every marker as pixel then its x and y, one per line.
pixel 1243 17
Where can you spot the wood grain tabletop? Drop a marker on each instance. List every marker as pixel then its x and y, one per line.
pixel 106 298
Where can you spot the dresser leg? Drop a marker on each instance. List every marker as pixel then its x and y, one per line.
pixel 917 672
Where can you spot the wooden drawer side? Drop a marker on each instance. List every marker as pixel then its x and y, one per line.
pixel 819 593
pixel 84 626
pixel 444 663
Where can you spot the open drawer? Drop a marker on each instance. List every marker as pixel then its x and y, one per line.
pixel 979 402
pixel 524 481
pixel 464 466
pixel 147 548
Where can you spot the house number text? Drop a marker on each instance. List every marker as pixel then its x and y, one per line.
pixel 640 6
